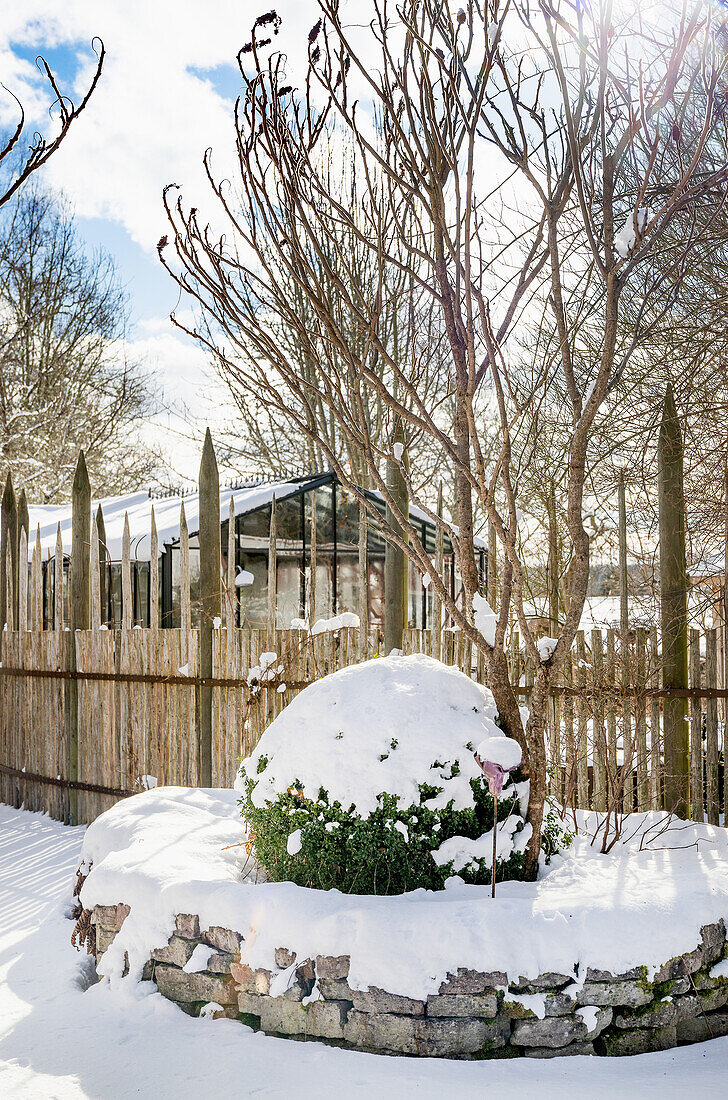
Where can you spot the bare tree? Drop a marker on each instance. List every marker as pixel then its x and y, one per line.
pixel 523 150
pixel 23 163
pixel 65 380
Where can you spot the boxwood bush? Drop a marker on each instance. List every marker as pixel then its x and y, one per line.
pixel 359 782
pixel 387 852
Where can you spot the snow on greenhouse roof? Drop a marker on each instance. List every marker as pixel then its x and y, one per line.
pixel 138 506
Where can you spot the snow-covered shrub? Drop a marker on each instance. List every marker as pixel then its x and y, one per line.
pixel 366 782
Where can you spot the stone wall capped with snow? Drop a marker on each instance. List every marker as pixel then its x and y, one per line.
pixel 473 1015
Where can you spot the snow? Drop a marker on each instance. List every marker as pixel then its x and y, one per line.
pixel 61 1037
pixel 426 580
pixel 720 970
pixel 166 852
pixel 398 451
pixel 485 618
pixel 545 647
pixel 463 850
pixel 199 959
pixel 294 843
pixel 374 727
pixel 139 506
pixel 500 750
pixel 589 1015
pixel 534 1002
pixel 336 622
pixel 244 578
pixel 626 239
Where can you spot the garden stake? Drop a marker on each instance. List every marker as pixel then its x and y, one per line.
pixel 495 822
pixel 495 775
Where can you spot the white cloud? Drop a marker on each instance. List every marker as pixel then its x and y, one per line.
pixel 152 115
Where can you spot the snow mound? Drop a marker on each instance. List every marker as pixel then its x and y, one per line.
pixel 388 725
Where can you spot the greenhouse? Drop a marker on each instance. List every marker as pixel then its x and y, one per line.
pixel 337 542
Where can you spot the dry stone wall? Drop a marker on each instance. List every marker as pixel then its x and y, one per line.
pixel 474 1014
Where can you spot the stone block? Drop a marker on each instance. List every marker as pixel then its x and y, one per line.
pixel 559 1052
pixel 177 952
pixel 381 1031
pixel 335 989
pixel 110 917
pixel 713 935
pixel 478 1005
pixel 284 958
pixel 223 939
pixel 544 983
pixel 553 1031
pixel 444 1038
pixel 221 962
pixel 656 1014
pixel 187 925
pixel 178 986
pixel 378 1001
pixel 336 966
pixel 627 994
pixel 321 1019
pixel 472 981
pixel 104 940
pixel 248 980
pixel 702 1028
pixel 680 966
pixel 559 1004
pixel 637 1041
pixel 636 974
pixel 431 1038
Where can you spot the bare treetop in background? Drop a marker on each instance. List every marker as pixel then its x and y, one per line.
pixel 507 156
pixel 40 149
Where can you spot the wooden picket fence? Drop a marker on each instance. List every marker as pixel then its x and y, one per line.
pixel 132 698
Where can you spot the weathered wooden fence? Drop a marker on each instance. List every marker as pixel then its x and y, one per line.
pixel 136 711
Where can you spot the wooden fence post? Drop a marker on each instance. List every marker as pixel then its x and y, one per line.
pixel 95 621
pixel 395 560
pixel 311 605
pixel 673 606
pixel 36 574
pixel 23 579
pixel 582 749
pixel 184 570
pixel 711 728
pixel 79 609
pixel 273 567
pixel 643 792
pixel 210 595
pixel 696 732
pixel 436 601
pixel 153 573
pixel 102 557
pixel 599 746
pixel 232 592
pixel 127 609
pixel 655 731
pixel 23 523
pixel 363 589
pixel 8 549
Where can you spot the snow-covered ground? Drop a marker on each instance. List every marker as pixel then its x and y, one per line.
pixel 59 1039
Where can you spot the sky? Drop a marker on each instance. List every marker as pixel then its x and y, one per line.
pixel 167 92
